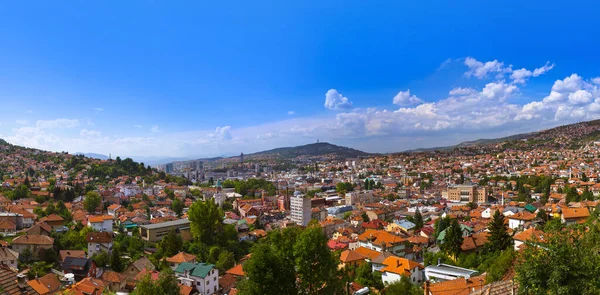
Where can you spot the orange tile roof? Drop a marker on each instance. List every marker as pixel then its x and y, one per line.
pixel 398 265
pixel 237 270
pixel 530 234
pixel 350 256
pixel 181 257
pixel 370 254
pixel 381 238
pixel 526 216
pixel 97 219
pixel 460 286
pixel 569 213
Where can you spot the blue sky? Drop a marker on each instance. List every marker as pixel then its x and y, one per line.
pixel 157 78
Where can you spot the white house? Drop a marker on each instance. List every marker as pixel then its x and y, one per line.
pixel 102 223
pixel 112 209
pixel 518 220
pixel 99 242
pixel 201 276
pixel 396 267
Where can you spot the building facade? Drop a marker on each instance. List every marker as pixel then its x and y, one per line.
pixel 467 193
pixel 300 209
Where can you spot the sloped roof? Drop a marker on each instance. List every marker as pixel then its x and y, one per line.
pixel 181 257
pixel 200 270
pixel 237 270
pixel 8 282
pixel 569 213
pixel 101 237
pixel 350 256
pixel 33 240
pixel 399 265
pixel 460 286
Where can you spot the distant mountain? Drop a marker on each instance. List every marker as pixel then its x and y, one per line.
pixel 92 155
pixel 319 149
pixel 566 136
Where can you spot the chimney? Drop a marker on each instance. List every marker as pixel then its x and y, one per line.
pixel 21 281
pixel 426 288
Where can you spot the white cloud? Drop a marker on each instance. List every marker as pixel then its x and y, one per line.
pixel 596 80
pixel 98 109
pixel 520 76
pixel 404 98
pixel 580 97
pixel 498 90
pixel 458 91
pixel 481 70
pixel 221 133
pixel 22 122
pixel 291 113
pixel 336 101
pixel 58 123
pixel 542 70
pixel 569 84
pixel 89 133
pixel 154 129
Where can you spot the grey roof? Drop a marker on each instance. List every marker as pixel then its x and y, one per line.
pixel 166 223
pixel 451 270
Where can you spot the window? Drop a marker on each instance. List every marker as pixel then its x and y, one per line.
pixel 198 283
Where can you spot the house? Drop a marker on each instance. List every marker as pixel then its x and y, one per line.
pixel 48 284
pixel 87 286
pixel 574 215
pixel 466 231
pixel 135 267
pixel 459 286
pixel 28 217
pixel 12 283
pixel 114 281
pixel 113 209
pixel 81 267
pixel 380 241
pixel 201 276
pixel 518 220
pixel 56 222
pixel 444 272
pixel 179 258
pixel 98 242
pixel 9 257
pixel 7 228
pixel 102 223
pixel 396 267
pixel 532 235
pixel 34 243
pixel 63 254
pixel 351 258
pixel 40 228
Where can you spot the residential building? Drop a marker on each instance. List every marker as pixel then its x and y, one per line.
pixel 201 276
pixel 531 235
pixel 155 232
pixel 46 285
pixel 381 241
pixel 114 281
pixel 574 215
pixel 7 228
pixel 466 193
pixel 56 222
pixel 179 258
pixel 135 267
pixel 102 223
pixel 9 258
pixel 13 283
pixel 112 210
pixel 35 243
pixel 80 267
pixel 99 242
pixel 14 218
pixel 466 285
pixel 444 272
pixel 396 267
pixel 519 220
pixel 300 209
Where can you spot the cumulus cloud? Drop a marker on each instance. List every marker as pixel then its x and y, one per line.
pixel 580 97
pixel 154 129
pixel 404 98
pixel 498 90
pixel 221 133
pixel 569 84
pixel 481 70
pixel 542 70
pixel 336 101
pixel 596 80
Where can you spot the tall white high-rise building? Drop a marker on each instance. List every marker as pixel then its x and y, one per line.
pixel 300 209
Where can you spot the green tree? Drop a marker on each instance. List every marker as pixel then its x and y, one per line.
pixel 170 244
pixel 316 265
pixel 498 239
pixel 166 284
pixel 116 263
pixel 92 201
pixel 206 222
pixel 365 217
pixel 177 207
pixel 268 272
pixel 101 259
pixel 225 261
pixel 453 239
pixel 21 192
pixel 402 287
pixel 366 277
pixel 418 219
